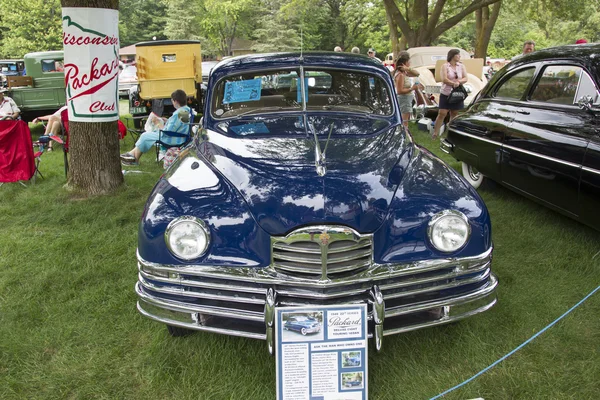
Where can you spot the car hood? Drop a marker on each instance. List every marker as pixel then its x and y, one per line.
pixel 278 179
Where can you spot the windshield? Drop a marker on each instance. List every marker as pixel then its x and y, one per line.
pixel 275 91
pixel 128 72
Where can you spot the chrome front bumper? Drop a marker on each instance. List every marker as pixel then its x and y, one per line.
pixel 242 301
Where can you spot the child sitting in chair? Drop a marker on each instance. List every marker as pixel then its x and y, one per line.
pixel 176 123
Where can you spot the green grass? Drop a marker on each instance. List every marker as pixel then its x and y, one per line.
pixel 69 328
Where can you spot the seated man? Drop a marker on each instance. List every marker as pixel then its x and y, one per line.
pixel 54 125
pixel 176 123
pixel 8 107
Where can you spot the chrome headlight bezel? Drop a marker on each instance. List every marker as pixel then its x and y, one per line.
pixel 187 219
pixel 441 216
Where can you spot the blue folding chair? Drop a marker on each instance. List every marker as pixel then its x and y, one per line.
pixel 169 139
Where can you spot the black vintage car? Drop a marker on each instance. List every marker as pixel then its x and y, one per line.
pixel 535 128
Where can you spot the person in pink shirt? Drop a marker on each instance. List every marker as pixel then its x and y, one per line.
pixel 453 74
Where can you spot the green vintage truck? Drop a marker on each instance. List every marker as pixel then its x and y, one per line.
pixel 42 90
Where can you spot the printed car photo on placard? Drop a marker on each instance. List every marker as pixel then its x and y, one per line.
pixel 351 359
pixel 304 326
pixel 352 380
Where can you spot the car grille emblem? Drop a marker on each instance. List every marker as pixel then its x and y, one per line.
pixel 324 238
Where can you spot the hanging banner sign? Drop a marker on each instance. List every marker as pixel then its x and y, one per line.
pixel 91 45
pixel 321 352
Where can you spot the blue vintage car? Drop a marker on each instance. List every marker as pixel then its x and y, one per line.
pixel 353 383
pixel 310 195
pixel 352 361
pixel 302 324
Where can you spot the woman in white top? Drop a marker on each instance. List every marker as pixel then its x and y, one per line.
pixel 453 74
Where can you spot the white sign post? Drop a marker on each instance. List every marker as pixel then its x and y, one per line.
pixel 91 45
pixel 322 352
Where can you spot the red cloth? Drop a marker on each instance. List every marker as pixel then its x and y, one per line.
pixel 122 130
pixel 16 152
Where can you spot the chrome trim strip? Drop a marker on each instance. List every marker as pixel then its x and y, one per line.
pixel 480 293
pixel 446 146
pixel 198 284
pixel 445 319
pixel 531 153
pixel 592 170
pixel 199 327
pixel 452 275
pixel 268 275
pixel 475 136
pixel 436 288
pixel 198 295
pixel 190 309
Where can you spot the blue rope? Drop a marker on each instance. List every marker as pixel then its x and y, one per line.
pixel 517 349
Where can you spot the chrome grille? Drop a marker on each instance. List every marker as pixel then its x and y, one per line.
pixel 322 251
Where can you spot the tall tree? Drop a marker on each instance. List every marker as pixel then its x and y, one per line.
pixel 95 167
pixel 485 20
pixel 141 20
pixel 29 26
pixel 421 22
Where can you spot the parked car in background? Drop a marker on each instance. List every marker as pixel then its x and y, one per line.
pixel 10 68
pixel 310 193
pixel 42 90
pixel 389 62
pixel 428 61
pixel 536 130
pixel 164 66
pixel 207 66
pixel 302 324
pixel 127 79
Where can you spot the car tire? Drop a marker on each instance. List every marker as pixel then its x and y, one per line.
pixel 176 331
pixel 472 175
pixel 303 331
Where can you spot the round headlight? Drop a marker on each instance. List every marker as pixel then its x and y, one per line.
pixel 187 237
pixel 449 230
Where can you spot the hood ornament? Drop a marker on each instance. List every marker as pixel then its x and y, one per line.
pixel 320 155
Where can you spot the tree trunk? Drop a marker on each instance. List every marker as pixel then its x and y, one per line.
pixel 420 27
pixel 485 22
pixel 396 45
pixel 94 167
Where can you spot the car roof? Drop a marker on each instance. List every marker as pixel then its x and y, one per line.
pixel 586 54
pixel 322 59
pixel 582 51
pixel 421 56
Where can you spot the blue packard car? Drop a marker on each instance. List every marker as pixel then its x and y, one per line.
pixel 310 194
pixel 302 324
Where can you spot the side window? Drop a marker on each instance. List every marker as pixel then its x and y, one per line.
pixel 515 86
pixel 53 66
pixel 558 84
pixel 587 88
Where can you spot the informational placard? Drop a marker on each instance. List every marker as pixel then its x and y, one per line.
pixel 242 91
pixel 91 65
pixel 321 352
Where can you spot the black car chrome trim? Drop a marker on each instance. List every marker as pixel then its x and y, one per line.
pixel 531 153
pixel 592 170
pixel 475 136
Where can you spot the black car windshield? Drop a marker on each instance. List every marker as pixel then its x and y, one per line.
pixel 324 90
